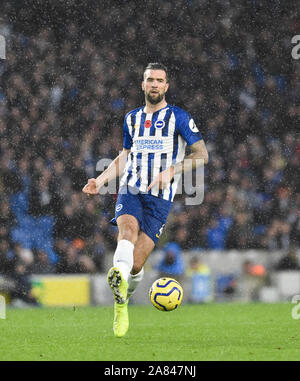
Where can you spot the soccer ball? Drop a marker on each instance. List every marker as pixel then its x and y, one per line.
pixel 166 294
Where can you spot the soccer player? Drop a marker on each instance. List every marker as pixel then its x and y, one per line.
pixel 155 136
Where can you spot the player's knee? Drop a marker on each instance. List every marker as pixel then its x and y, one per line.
pixel 129 231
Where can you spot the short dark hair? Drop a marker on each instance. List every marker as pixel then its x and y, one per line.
pixel 157 66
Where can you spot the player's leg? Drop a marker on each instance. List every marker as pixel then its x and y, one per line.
pixel 142 249
pixel 128 234
pixel 155 213
pixel 128 217
pixel 123 257
pixel 118 275
pixel 128 214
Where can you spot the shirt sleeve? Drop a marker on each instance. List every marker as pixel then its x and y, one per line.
pixel 127 139
pixel 187 128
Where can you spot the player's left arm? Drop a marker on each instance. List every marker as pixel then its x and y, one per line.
pixel 198 157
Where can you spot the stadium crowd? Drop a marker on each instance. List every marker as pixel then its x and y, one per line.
pixel 68 81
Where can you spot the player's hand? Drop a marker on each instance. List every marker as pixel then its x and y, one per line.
pixel 163 179
pixel 91 187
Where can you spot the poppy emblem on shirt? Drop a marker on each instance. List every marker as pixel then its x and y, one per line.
pixel 159 124
pixel 148 124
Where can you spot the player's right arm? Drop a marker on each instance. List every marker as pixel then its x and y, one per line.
pixel 114 170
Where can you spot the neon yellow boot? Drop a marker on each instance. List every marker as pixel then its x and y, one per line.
pixel 119 288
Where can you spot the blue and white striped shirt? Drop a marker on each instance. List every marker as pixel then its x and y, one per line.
pixel 156 141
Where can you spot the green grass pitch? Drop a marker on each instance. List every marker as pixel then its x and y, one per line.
pixel 220 332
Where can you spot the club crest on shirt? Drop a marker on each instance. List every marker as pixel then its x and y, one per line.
pixel 119 207
pixel 159 124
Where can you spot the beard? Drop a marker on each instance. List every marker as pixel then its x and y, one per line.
pixel 154 99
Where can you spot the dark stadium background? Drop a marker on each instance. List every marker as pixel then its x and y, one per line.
pixel 73 70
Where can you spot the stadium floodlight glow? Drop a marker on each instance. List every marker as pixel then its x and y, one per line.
pixel 2 47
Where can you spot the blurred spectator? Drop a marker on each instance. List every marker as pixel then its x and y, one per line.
pixel 73 260
pixel 11 182
pixel 215 235
pixel 78 175
pixel 200 281
pixel 7 220
pixel 288 262
pixel 69 261
pixel 41 264
pixel 171 265
pixel 7 258
pixel 88 221
pixel 231 287
pixel 23 255
pixel 181 238
pixel 22 293
pixel 295 227
pixel 21 259
pixel 197 267
pixel 41 200
pixel 226 286
pixel 278 236
pixel 67 224
pixel 97 249
pixel 254 278
pixel 240 235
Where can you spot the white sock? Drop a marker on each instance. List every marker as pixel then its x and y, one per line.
pixel 123 257
pixel 133 282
